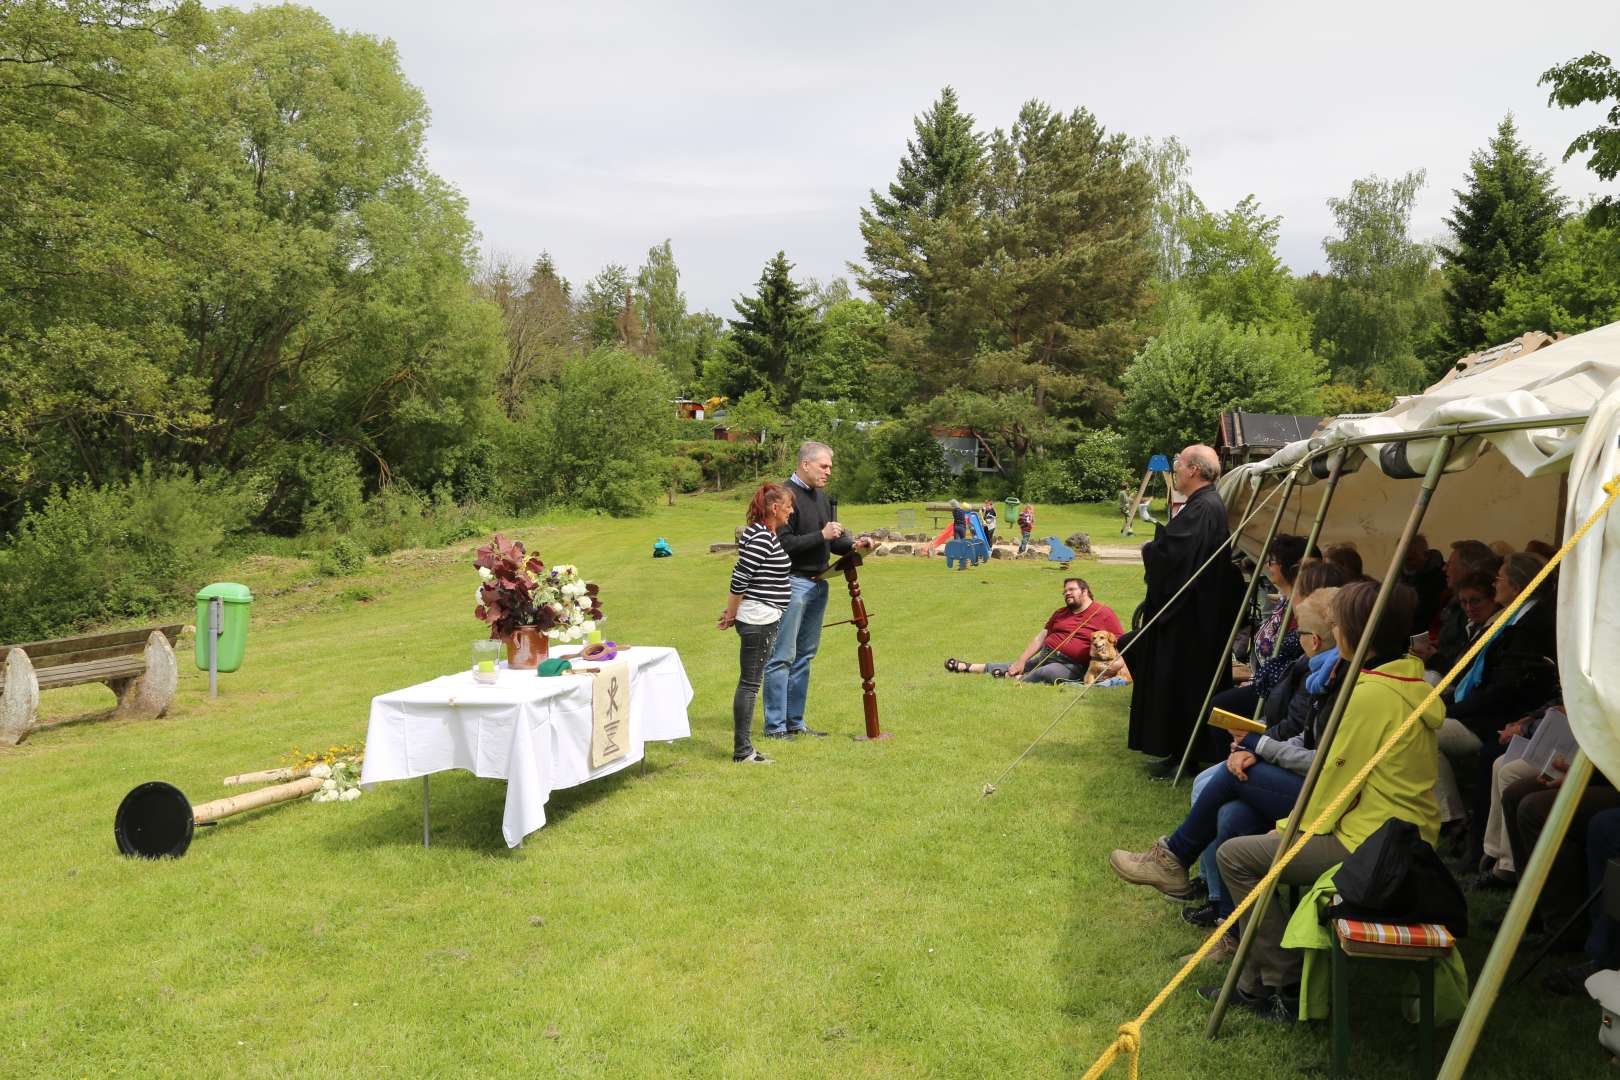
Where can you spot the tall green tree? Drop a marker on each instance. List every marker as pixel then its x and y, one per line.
pixel 774 338
pixel 1504 212
pixel 1576 288
pixel 1232 268
pixel 1176 207
pixel 219 237
pixel 663 309
pixel 601 306
pixel 1380 298
pixel 1591 79
pixel 939 174
pixel 1044 288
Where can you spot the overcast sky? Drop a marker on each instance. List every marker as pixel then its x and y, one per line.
pixel 598 129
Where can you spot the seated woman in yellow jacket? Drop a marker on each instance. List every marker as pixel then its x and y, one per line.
pixel 1402 786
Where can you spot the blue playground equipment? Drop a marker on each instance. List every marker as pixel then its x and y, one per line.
pixel 974 548
pixel 1060 552
pixel 1158 463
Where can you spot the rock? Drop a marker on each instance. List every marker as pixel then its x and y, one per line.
pixel 718 549
pixel 19 700
pixel 901 549
pixel 881 550
pixel 1081 542
pixel 1001 553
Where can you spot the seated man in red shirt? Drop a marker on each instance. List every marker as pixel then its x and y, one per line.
pixel 1061 650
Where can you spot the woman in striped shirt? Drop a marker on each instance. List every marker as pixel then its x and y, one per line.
pixel 759 595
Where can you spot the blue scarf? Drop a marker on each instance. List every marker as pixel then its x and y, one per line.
pixel 1476 671
pixel 1321 670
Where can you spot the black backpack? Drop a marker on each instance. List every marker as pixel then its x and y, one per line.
pixel 1396 877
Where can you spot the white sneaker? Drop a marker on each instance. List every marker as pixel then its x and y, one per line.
pixel 756 758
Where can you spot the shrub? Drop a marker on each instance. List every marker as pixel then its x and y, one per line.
pixel 1099 464
pixel 909 464
pixel 91 555
pixel 309 487
pixel 686 474
pixel 343 558
pixel 1178 385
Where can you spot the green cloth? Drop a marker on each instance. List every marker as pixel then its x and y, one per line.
pixel 1305 931
pixel 1403 784
pixel 553 665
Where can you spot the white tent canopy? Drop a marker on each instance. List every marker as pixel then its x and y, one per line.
pixel 1516 486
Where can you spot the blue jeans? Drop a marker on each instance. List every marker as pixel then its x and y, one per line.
pixel 1602 843
pixel 1236 818
pixel 1267 795
pixel 787 672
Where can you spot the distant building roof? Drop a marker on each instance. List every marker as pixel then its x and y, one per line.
pixel 1523 345
pixel 1245 435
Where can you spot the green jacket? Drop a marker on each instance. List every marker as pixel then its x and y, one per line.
pixel 1403 784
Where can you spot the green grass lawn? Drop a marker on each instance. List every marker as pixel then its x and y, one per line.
pixel 855 910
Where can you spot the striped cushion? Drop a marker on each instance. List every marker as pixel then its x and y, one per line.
pixel 1410 935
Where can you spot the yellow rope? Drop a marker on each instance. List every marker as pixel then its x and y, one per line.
pixel 1129 1040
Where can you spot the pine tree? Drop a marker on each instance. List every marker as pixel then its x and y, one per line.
pixel 775 336
pixel 1500 225
pixel 939 174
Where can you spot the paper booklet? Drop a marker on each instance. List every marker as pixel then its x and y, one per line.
pixel 1552 742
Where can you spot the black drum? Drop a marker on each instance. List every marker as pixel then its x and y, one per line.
pixel 154 821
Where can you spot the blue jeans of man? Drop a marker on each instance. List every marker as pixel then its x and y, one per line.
pixel 787 672
pixel 1267 795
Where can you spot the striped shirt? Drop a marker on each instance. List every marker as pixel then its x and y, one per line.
pixel 761 573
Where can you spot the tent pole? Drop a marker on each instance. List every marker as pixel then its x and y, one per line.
pixel 1518 914
pixel 1226 653
pixel 1414 520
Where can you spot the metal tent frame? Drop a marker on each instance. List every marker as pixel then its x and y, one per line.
pixel 1534 875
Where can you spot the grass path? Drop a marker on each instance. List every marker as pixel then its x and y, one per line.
pixel 855 910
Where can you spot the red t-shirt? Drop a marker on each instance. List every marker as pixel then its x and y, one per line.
pixel 1094 618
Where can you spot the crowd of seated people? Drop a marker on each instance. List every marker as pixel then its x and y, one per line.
pixel 1446 771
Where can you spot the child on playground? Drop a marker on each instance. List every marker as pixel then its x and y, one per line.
pixel 1026 525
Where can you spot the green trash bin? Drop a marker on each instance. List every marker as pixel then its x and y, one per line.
pixel 234 603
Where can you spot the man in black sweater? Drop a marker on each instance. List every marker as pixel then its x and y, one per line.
pixel 810 537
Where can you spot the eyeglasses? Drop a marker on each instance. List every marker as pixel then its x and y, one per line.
pixel 1472 601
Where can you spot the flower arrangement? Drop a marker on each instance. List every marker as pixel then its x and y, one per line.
pixel 340 781
pixel 338 769
pixel 517 590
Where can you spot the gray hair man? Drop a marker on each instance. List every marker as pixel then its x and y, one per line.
pixel 1195 592
pixel 811 536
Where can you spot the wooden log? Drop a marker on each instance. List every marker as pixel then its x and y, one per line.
pixel 148 696
pixel 252 800
pixel 286 772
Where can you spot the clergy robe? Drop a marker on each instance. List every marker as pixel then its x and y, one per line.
pixel 1174 659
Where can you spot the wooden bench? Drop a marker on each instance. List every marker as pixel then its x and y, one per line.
pixel 137 665
pixel 1418 946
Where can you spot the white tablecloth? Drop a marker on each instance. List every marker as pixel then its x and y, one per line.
pixel 533 733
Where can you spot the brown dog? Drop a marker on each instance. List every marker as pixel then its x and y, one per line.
pixel 1104 651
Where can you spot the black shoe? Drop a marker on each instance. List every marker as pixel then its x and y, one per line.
pixel 1206 916
pixel 779 734
pixel 1569 981
pixel 1282 1006
pixel 1163 769
pixel 1489 881
pixel 1252 1002
pixel 812 732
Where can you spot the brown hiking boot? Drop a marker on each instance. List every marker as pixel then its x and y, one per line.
pixel 1224 950
pixel 1155 867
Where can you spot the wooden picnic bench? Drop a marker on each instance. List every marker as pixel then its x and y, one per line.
pixel 137 665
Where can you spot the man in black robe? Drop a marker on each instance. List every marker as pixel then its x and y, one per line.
pixel 1173 660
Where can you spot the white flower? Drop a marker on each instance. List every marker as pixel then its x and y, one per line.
pixel 328 785
pixel 321 771
pixel 350 795
pixel 588 626
pixel 324 796
pixel 486 573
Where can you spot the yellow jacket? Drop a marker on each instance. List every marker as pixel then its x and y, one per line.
pixel 1402 786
